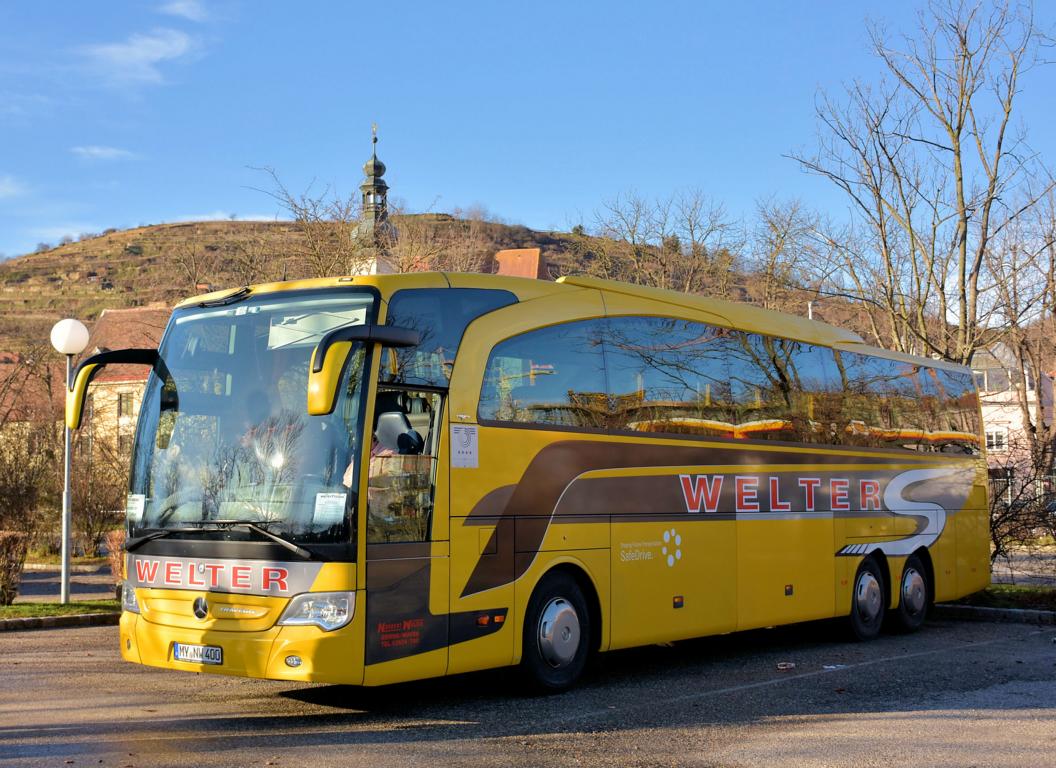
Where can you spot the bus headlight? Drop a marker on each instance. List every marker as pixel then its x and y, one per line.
pixel 129 602
pixel 326 610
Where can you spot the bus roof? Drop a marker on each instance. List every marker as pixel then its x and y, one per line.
pixel 735 314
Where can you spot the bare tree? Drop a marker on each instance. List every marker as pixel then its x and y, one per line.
pixel 420 242
pixel 255 257
pixel 326 222
pixel 930 163
pixel 684 242
pixel 98 491
pixel 30 439
pixel 1020 501
pixel 1023 262
pixel 197 263
pixel 784 245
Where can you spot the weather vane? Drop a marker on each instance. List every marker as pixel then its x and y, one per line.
pixel 373 133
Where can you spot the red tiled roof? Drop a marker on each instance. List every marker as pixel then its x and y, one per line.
pixel 136 328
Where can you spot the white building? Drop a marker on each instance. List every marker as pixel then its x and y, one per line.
pixel 1007 446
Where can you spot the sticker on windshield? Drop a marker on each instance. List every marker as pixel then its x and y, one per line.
pixel 134 507
pixel 329 508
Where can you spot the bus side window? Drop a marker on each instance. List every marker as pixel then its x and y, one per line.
pixel 402 468
pixel 554 375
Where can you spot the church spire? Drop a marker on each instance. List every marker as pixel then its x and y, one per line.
pixel 374 235
pixel 375 190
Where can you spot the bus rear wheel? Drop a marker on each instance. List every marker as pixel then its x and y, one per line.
pixel 913 596
pixel 557 633
pixel 868 601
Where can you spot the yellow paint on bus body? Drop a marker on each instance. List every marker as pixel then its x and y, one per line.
pixel 655 580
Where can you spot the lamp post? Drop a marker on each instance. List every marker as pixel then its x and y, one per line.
pixel 69 337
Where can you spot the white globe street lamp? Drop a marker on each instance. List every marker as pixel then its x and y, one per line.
pixel 69 337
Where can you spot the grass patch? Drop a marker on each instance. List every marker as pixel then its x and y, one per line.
pixel 1013 596
pixel 35 610
pixel 48 559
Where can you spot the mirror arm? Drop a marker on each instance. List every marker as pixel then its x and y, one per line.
pixel 389 335
pixel 127 356
pixel 76 389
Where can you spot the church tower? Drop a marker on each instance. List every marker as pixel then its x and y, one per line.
pixel 375 233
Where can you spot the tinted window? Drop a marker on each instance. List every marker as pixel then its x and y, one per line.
pixel 667 375
pixel 554 375
pixel 440 315
pixel 808 381
pixel 952 410
pixel 682 377
pixel 881 402
pixel 891 403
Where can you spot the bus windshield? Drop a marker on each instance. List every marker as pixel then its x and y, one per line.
pixel 223 433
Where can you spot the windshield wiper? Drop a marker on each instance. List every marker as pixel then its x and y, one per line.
pixel 221 525
pixel 133 544
pixel 307 554
pixel 228 298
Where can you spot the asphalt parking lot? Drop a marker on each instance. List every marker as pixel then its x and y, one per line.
pixel 955 694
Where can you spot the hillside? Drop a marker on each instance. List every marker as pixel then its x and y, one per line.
pixel 159 265
pixel 167 262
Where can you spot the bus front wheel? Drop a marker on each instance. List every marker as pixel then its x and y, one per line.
pixel 868 600
pixel 557 634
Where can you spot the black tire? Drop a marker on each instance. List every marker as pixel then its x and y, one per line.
pixel 555 667
pixel 914 597
pixel 868 601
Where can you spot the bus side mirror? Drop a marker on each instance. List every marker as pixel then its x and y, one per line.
pixel 330 358
pixel 77 392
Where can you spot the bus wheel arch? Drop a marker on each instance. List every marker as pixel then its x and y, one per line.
pixel 561 629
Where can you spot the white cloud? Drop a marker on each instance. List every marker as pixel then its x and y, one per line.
pixel 58 231
pixel 192 10
pixel 225 215
pixel 136 60
pixel 10 187
pixel 97 152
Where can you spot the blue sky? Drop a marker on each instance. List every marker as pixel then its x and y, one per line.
pixel 114 114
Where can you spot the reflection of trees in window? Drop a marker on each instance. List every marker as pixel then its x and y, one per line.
pixel 882 401
pixel 554 375
pixel 889 403
pixel 440 315
pixel 670 376
pixel 678 376
pixel 953 410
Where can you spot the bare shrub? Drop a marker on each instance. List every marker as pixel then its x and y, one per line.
pixel 1021 499
pixel 115 553
pixel 13 546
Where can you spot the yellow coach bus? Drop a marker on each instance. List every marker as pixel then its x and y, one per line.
pixel 385 478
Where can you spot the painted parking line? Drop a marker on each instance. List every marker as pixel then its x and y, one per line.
pixel 781 680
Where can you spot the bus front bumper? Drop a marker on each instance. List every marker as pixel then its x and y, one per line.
pixel 296 653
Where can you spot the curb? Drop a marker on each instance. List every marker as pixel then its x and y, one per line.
pixel 60 622
pixel 1006 615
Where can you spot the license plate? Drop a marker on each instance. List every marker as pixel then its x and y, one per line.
pixel 199 654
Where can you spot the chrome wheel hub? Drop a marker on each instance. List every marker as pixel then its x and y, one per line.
pixel 558 632
pixel 868 600
pixel 914 592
